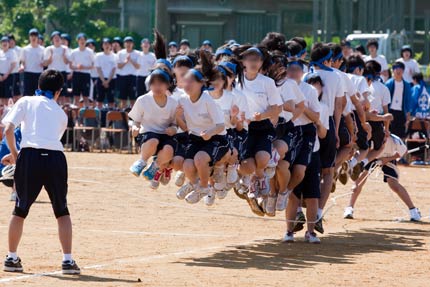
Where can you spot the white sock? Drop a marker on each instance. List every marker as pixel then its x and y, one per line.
pixel 12 255
pixel 365 161
pixel 142 161
pixel 319 213
pixel 352 162
pixel 299 209
pixel 67 257
pixel 287 191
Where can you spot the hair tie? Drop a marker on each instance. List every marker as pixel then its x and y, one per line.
pixel 320 62
pixel 47 94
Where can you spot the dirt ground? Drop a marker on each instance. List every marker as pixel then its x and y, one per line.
pixel 127 235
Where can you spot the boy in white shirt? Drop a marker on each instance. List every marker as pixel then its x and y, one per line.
pixel 127 69
pixel 146 61
pixel 372 47
pixel 411 65
pixel 8 62
pixel 40 163
pixel 16 70
pixel 32 62
pixel 105 64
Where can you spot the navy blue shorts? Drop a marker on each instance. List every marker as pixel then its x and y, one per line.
pixel 16 84
pixel 362 141
pixel 216 147
pixel 105 93
pixel 31 83
pixel 37 168
pixel 260 137
pixel 292 139
pixel 240 143
pixel 310 185
pixel 127 87
pixel 328 147
pixel 81 83
pixel 181 143
pixel 378 135
pixel 305 145
pixel 280 128
pixel 141 86
pixel 6 88
pixel 163 140
pixel 389 170
pixel 344 136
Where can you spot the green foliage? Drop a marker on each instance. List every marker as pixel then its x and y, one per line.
pixel 68 16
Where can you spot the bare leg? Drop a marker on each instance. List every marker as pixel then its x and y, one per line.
pixel 16 226
pixel 65 233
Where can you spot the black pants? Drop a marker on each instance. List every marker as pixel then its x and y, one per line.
pixel 31 82
pixel 37 168
pixel 398 125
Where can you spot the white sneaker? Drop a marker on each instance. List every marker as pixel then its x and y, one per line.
pixel 232 175
pixel 197 194
pixel 312 237
pixel 210 197
pixel 13 196
pixel 184 191
pixel 218 173
pixel 221 194
pixel 244 182
pixel 349 213
pixel 271 206
pixel 229 186
pixel 273 163
pixel 220 185
pixel 415 214
pixel 179 178
pixel 282 201
pixel 289 237
pixel 264 186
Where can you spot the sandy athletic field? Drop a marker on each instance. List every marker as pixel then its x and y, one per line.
pixel 127 235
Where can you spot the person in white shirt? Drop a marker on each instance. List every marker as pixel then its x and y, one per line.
pixel 16 71
pixel 105 65
pixel 155 113
pixel 146 62
pixel 411 65
pixel 128 64
pixel 173 49
pixel 372 47
pixel 56 58
pixel 90 43
pixel 81 62
pixel 264 104
pixel 202 118
pixel 40 163
pixel 116 44
pixel 66 41
pixel 8 62
pixel 32 62
pixel 393 150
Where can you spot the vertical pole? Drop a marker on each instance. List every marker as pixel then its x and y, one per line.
pixel 122 16
pixel 315 21
pixel 412 23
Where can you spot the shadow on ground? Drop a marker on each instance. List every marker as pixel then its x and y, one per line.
pixel 337 248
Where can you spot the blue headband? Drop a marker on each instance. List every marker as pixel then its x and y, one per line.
pixel 47 94
pixel 337 57
pixel 369 76
pixel 352 68
pixel 320 62
pixel 397 67
pixel 299 54
pixel 197 74
pixel 227 52
pixel 165 62
pixel 222 70
pixel 229 65
pixel 183 58
pixel 162 73
pixel 255 49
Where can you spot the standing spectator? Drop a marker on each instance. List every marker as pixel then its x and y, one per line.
pixel 94 75
pixel 420 99
pixel 8 62
pixel 66 40
pixel 207 46
pixel 81 62
pixel 56 58
pixel 105 64
pixel 400 91
pixel 32 62
pixel 173 49
pixel 15 72
pixel 116 45
pixel 127 70
pixel 372 47
pixel 346 48
pixel 184 46
pixel 411 65
pixel 146 61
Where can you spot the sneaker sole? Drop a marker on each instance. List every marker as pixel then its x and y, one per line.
pixel 71 272
pixel 255 208
pixel 240 195
pixel 299 227
pixel 348 217
pixel 13 269
pixel 288 241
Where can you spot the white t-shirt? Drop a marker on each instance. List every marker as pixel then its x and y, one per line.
pixel 242 102
pixel 332 88
pixel 225 103
pixel 289 90
pixel 83 57
pixel 42 122
pixel 325 121
pixel 202 115
pixel 6 60
pixel 93 71
pixel 57 57
pixel 397 102
pixel 17 51
pixel 393 145
pixel 32 58
pixel 128 69
pixel 146 62
pixel 411 67
pixel 381 60
pixel 361 86
pixel 260 94
pixel 379 97
pixel 349 90
pixel 151 116
pixel 106 62
pixel 311 102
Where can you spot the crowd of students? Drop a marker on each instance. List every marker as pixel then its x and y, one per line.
pixel 278 127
